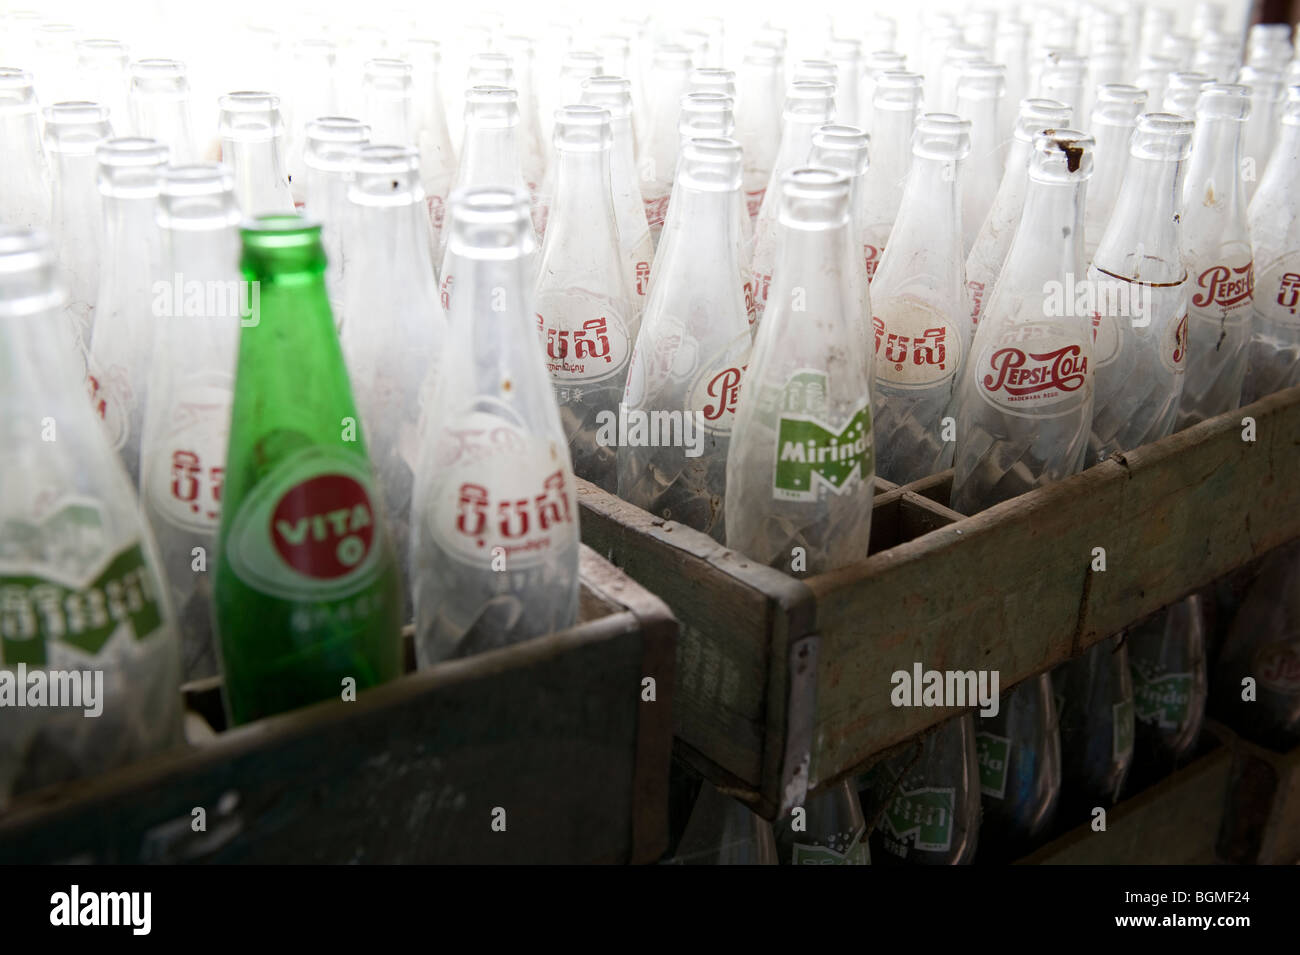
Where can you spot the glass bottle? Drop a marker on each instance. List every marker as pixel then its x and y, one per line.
pixel 388 101
pixel 191 375
pixel 919 307
pixel 393 340
pixel 160 107
pixel 1217 251
pixel 313 96
pixel 252 145
pixel 1114 118
pixel 758 126
pixel 1182 92
pixel 712 79
pixel 437 158
pixel 723 831
pixel 877 62
pixel 122 337
pixel 1011 48
pixel 1262 125
pixel 980 88
pixel 586 317
pixel 1153 76
pixel 24 187
pixel 827 830
pixel 693 343
pixel 808 105
pixel 846 54
pixel 72 538
pixel 846 149
pixel 494 488
pixel 658 149
pixel 104 77
pixel 330 145
pixel 895 109
pixel 1024 403
pixel 1063 78
pixel 532 148
pixel 984 264
pixel 807 388
pixel 307 591
pixel 1139 290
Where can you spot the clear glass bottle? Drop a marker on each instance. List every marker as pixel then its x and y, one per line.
pixel 1023 407
pixel 877 62
pixel 331 143
pixel 1273 359
pixel 956 58
pixel 1114 118
pixel 494 488
pixel 827 830
pixel 532 148
pixel 807 389
pixel 388 101
pixel 186 426
pixel 614 93
pixel 490 69
pixel 1262 125
pixel 919 307
pixel 758 125
pixel 808 105
pixel 103 68
pixel 121 345
pixel 160 107
pixel 73 131
pixel 392 344
pixel 72 538
pixel 1166 657
pixel 24 187
pixel 693 343
pixel 1218 55
pixel 1268 45
pixel 1063 78
pixel 252 145
pixel 984 264
pixel 1217 251
pixel 658 148
pixel 723 831
pixel 1011 48
pixel 1182 92
pixel 437 158
pixel 980 88
pixel 712 79
pixel 846 149
pixel 1107 66
pixel 1153 76
pixel 314 96
pixel 586 318
pixel 896 107
pixel 846 54
pixel 1140 293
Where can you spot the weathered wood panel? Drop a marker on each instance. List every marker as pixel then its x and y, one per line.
pixel 1174 822
pixel 553 731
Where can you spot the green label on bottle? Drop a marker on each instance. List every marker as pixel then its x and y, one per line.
pixel 994 753
pixel 36 610
pixel 1162 700
pixel 1123 721
pixel 804 854
pixel 925 814
pixel 810 452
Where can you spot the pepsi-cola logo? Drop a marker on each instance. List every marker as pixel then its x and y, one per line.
pixel 1225 286
pixel 1277 666
pixel 1021 373
pixel 324 527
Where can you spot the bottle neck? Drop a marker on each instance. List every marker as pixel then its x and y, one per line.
pixel 75 193
pixel 1141 238
pixel 927 235
pixel 1048 243
pixel 129 228
pixel 201 254
pixel 1281 179
pixel 796 141
pixel 1109 160
pixel 704 222
pixel 804 254
pixel 582 210
pixel 390 253
pixel 490 157
pixel 261 182
pixel 1215 163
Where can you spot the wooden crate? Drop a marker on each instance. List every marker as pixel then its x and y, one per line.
pixel 1261 820
pixel 783 683
pixel 1174 822
pixel 554 731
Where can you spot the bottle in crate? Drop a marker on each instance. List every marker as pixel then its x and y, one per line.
pixel 252 145
pixel 828 829
pixel 723 831
pixel 24 187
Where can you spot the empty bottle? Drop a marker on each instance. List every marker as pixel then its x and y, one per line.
pixel 307 592
pixel 1153 76
pixel 846 54
pixel 800 469
pixel 1063 78
pixel 980 89
pixel 197 318
pixel 80 574
pixel 1024 403
pixel 532 148
pixel 828 829
pixel 1114 116
pixel 808 105
pixel 494 540
pixel 987 255
pixel 613 93
pixel 693 344
pixel 103 68
pixel 252 145
pixel 671 72
pixel 1266 104
pixel 896 106
pixel 160 107
pixel 314 95
pixel 1095 698
pixel 846 149
pixel 1182 92
pixel 1137 285
pixel 927 803
pixel 24 187
pixel 332 143
pixel 876 63
pixel 433 139
pixel 1273 360
pixel 919 307
pixel 1217 251
pixel 723 831
pixel 73 132
pixel 121 345
pixel 393 339
pixel 1166 656
pixel 758 125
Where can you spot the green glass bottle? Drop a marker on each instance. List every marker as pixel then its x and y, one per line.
pixel 307 592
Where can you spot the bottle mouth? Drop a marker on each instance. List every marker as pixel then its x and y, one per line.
pixel 130 167
pixel 250 116
pixel 1062 155
pixel 898 90
pixel 491 107
pixel 706 114
pixel 582 63
pixel 1226 101
pixel 331 143
pixel 77 126
pixel 1037 114
pixel 711 79
pixel 582 128
pixel 159 77
pixel 1165 137
pixel 197 196
pixel 16 91
pixel 613 93
pixel 282 230
pixel 491 69
pixel 844 148
pixel 102 50
pixel 712 164
pixel 814 198
pixel 810 99
pixel 760 53
pixel 981 80
pixel 489 223
pixel 386 175
pixel 941 136
pixel 1118 104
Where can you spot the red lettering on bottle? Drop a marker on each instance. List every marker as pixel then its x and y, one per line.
pixel 1219 287
pixel 324 527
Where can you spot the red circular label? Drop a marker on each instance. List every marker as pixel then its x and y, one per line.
pixel 324 527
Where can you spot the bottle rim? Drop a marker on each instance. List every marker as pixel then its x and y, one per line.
pixel 281 230
pixel 76 126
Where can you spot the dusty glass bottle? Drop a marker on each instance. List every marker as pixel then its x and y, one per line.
pixel 103 67
pixel 331 143
pixel 984 263
pixel 1023 407
pixel 808 105
pixel 1137 285
pixel 160 107
pixel 24 187
pixel 252 145
pixel 828 829
pixel 980 90
pixel 437 158
pixel 1113 118
pixel 532 148
pixel 122 337
pixel 758 125
pixel 73 131
pixel 846 149
pixel 896 106
pixel 494 524
pixel 392 343
pixel 1267 95
pixel 658 150
pixel 614 93
pixel 586 318
pixel 78 566
pixel 693 344
pixel 920 309
pixel 1217 251
pixel 800 470
pixel 197 318
pixel 1273 359
pixel 1182 92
